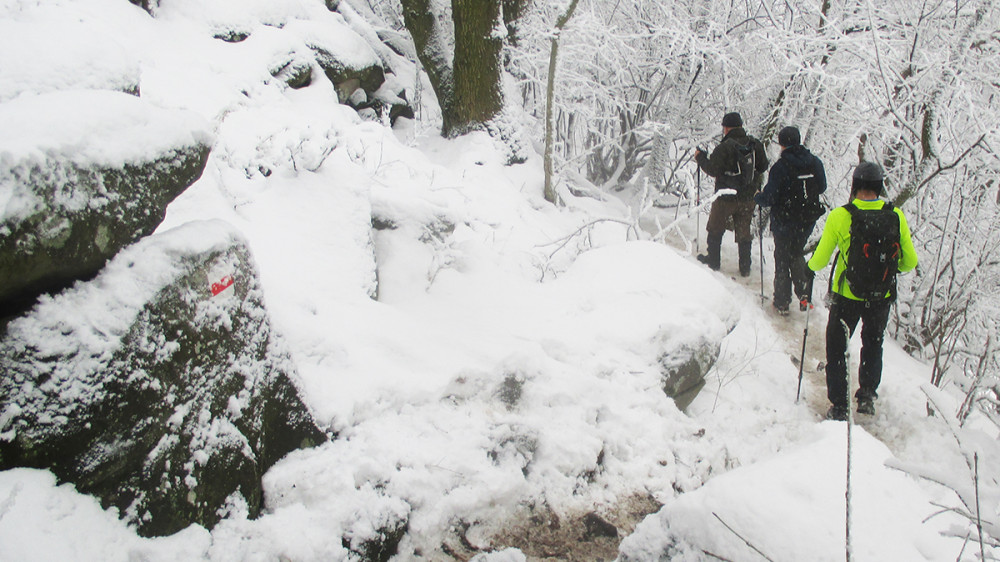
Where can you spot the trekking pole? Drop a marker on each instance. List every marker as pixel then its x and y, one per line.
pixel 761 237
pixel 697 207
pixel 847 493
pixel 802 358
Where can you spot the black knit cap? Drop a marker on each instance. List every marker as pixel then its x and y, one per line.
pixel 732 120
pixel 789 136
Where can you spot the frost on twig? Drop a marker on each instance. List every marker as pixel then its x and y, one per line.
pixel 970 489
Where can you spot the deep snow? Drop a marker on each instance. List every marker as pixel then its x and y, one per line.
pixel 510 358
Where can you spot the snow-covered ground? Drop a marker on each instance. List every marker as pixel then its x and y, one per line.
pixel 509 362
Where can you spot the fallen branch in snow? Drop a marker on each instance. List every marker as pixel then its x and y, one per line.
pixel 716 556
pixel 738 366
pixel 675 225
pixel 748 543
pixel 987 540
pixel 632 227
pixel 988 531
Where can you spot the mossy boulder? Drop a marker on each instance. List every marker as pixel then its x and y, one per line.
pixel 158 386
pixel 93 182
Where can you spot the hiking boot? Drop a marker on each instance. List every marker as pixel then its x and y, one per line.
pixel 837 413
pixel 713 252
pixel 866 403
pixel 705 259
pixel 780 309
pixel 804 304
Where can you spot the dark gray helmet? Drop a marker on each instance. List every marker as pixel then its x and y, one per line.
pixel 868 171
pixel 869 176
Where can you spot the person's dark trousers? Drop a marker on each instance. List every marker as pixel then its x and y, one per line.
pixel 745 261
pixel 844 316
pixel 724 209
pixel 790 267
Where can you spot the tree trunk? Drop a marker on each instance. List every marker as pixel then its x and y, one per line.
pixel 550 191
pixel 477 95
pixel 512 11
pixel 431 33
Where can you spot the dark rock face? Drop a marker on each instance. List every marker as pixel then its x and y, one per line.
pixel 297 74
pixel 157 386
pixel 148 5
pixel 368 78
pixel 683 371
pixel 597 526
pixel 382 546
pixel 85 215
pixel 232 35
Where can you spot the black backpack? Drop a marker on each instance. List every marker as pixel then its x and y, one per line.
pixel 873 254
pixel 742 176
pixel 801 203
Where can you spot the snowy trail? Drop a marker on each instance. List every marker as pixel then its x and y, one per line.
pixel 884 426
pixel 785 456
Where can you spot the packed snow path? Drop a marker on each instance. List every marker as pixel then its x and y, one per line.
pixel 789 463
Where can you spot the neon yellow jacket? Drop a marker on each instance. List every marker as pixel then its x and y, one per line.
pixel 837 235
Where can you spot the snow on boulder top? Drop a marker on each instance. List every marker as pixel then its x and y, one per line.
pixel 334 36
pixel 31 62
pixel 95 127
pixel 238 14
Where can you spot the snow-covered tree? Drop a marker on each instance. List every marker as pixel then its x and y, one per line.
pixel 459 45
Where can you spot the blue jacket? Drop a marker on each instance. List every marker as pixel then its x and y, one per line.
pixel 787 215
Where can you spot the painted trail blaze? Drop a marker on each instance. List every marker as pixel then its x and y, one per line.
pixel 222 284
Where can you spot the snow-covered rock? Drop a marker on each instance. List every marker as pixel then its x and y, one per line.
pixel 86 58
pixel 345 57
pixel 148 5
pixel 158 386
pixel 83 174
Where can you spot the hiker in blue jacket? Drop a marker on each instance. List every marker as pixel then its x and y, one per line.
pixel 794 185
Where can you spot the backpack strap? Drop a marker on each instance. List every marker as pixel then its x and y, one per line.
pixel 740 148
pixel 852 209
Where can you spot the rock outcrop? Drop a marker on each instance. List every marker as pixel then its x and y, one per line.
pixel 158 386
pixel 683 370
pixel 92 183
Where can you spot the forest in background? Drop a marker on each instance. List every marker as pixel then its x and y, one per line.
pixel 910 84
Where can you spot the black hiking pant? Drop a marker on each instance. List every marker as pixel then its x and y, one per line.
pixel 844 316
pixel 790 268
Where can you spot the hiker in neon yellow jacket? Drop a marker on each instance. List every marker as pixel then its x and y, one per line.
pixel 846 309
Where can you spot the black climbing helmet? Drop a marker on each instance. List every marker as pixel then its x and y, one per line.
pixel 868 175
